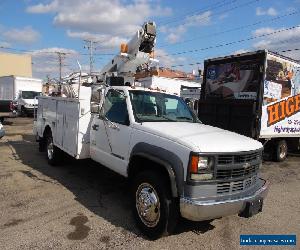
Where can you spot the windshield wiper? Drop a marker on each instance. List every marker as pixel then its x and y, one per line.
pixel 168 118
pixel 184 117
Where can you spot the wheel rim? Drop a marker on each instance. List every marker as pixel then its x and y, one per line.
pixel 282 151
pixel 148 205
pixel 50 150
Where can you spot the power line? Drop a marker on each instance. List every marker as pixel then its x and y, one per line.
pixel 213 6
pixel 39 51
pixel 233 42
pixel 223 11
pixel 232 29
pixel 99 54
pixel 289 50
pixel 199 63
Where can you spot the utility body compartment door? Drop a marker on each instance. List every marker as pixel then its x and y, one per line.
pixel 70 132
pixel 66 127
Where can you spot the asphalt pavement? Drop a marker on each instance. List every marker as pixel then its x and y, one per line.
pixel 82 205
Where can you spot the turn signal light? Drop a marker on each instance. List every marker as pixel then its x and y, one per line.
pixel 194 164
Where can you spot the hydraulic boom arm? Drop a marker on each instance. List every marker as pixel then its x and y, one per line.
pixel 133 54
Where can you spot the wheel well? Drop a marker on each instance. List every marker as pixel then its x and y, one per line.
pixel 293 143
pixel 47 131
pixel 139 164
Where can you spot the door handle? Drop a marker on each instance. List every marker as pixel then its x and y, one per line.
pixel 95 127
pixel 113 126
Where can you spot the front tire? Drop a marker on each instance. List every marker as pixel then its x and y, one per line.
pixel 281 150
pixel 53 153
pixel 23 111
pixel 155 211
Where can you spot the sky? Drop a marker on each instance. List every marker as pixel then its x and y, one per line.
pixel 187 31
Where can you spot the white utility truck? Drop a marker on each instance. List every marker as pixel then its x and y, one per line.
pixel 17 94
pixel 175 164
pixel 256 94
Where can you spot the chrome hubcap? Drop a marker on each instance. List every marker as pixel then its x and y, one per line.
pixel 282 151
pixel 50 150
pixel 148 205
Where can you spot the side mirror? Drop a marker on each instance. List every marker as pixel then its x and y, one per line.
pixel 102 116
pixel 95 107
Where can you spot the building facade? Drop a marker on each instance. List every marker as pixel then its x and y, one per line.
pixel 15 64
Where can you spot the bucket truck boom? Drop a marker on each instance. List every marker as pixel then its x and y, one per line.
pixel 137 52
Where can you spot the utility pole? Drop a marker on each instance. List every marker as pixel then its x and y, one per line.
pixel 61 57
pixel 90 46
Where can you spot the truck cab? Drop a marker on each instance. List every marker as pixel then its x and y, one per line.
pixel 26 102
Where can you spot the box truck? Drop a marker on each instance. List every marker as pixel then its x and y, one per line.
pixel 17 94
pixel 256 94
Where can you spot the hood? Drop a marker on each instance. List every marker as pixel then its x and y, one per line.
pixel 30 101
pixel 201 138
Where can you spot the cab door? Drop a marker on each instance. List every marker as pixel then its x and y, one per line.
pixel 113 133
pixel 100 150
pixel 99 145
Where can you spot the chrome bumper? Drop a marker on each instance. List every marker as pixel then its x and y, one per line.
pixel 196 210
pixel 11 114
pixel 29 110
pixel 5 114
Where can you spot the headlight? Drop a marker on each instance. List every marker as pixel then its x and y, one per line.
pixel 201 167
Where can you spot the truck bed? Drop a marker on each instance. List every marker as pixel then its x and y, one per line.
pixel 69 120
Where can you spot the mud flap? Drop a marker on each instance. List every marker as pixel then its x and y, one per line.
pixel 252 208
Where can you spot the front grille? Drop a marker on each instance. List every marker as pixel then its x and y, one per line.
pixel 235 186
pixel 223 188
pixel 235 159
pixel 238 186
pixel 236 172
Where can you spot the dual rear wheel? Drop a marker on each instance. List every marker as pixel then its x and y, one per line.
pixel 54 154
pixel 280 150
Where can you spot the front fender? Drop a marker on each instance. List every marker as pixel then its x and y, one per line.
pixel 170 161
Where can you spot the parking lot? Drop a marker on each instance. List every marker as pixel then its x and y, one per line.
pixel 82 205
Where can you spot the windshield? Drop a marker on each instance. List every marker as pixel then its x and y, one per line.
pixel 160 107
pixel 30 94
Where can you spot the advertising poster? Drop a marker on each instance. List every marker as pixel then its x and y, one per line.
pixel 281 103
pixel 236 80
